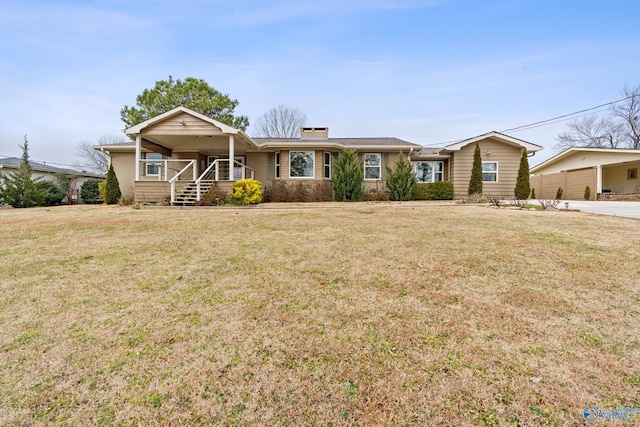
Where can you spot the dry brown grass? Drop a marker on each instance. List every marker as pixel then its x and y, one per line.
pixel 376 314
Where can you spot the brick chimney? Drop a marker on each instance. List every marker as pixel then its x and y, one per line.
pixel 314 133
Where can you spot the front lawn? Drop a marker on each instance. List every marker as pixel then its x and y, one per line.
pixel 375 314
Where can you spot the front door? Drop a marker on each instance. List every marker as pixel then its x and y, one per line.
pixel 238 171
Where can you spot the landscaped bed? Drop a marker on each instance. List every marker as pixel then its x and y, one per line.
pixel 379 314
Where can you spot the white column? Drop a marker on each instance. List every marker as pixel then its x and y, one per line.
pixel 138 151
pixel 598 179
pixel 231 156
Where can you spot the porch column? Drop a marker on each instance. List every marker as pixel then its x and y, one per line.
pixel 231 156
pixel 598 179
pixel 138 150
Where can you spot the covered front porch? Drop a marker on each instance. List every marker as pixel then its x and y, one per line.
pixel 181 154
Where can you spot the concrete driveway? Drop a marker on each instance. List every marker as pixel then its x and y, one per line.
pixel 624 209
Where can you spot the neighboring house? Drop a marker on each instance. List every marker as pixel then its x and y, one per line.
pixel 46 172
pixel 604 170
pixel 180 154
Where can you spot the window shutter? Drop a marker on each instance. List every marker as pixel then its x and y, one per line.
pixel 271 166
pixel 385 163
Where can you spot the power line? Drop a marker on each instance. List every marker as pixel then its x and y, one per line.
pixel 567 115
pixel 541 122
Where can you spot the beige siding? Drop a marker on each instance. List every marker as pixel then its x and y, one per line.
pixel 124 165
pixel 535 182
pixel 577 181
pixel 507 156
pixel 153 192
pixel 259 163
pixel 550 184
pixel 573 184
pixel 172 126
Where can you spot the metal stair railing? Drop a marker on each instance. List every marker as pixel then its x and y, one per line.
pixel 172 181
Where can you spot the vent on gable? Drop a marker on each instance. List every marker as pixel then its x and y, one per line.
pixel 314 132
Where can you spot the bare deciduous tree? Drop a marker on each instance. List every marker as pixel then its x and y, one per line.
pixel 281 122
pixel 619 129
pixel 629 114
pixel 94 160
pixel 591 131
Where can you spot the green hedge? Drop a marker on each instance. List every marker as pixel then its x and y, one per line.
pixel 442 190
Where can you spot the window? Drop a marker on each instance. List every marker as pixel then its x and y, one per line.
pixel 327 165
pixel 277 165
pixel 154 160
pixel 301 164
pixel 372 165
pixel 429 171
pixel 489 171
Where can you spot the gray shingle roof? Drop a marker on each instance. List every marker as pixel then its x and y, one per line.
pixel 14 162
pixel 347 142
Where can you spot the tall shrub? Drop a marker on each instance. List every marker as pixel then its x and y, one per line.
pixel 89 191
pixel 475 182
pixel 523 188
pixel 112 192
pixel 348 175
pixel 401 179
pixel 17 188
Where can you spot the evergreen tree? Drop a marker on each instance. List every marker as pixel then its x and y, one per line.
pixel 348 174
pixel 112 188
pixel 401 179
pixel 89 192
pixel 523 189
pixel 475 182
pixel 17 188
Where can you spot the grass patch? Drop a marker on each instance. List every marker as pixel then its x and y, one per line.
pixel 372 314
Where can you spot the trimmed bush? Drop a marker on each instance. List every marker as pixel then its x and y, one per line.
pixel 375 195
pixel 475 182
pixel 111 193
pixel 214 197
pixel 533 193
pixel 587 193
pixel 523 187
pixel 559 192
pixel 246 192
pixel 441 190
pixel 299 191
pixel 400 179
pixel 89 191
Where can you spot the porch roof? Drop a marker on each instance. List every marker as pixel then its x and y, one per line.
pixel 604 156
pixel 185 129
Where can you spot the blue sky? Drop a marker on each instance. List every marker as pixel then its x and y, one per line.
pixel 429 71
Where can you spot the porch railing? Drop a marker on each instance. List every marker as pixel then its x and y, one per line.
pixel 191 167
pixel 164 170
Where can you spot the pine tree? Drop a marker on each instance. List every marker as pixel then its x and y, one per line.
pixel 112 188
pixel 348 174
pixel 401 180
pixel 523 188
pixel 475 182
pixel 18 189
